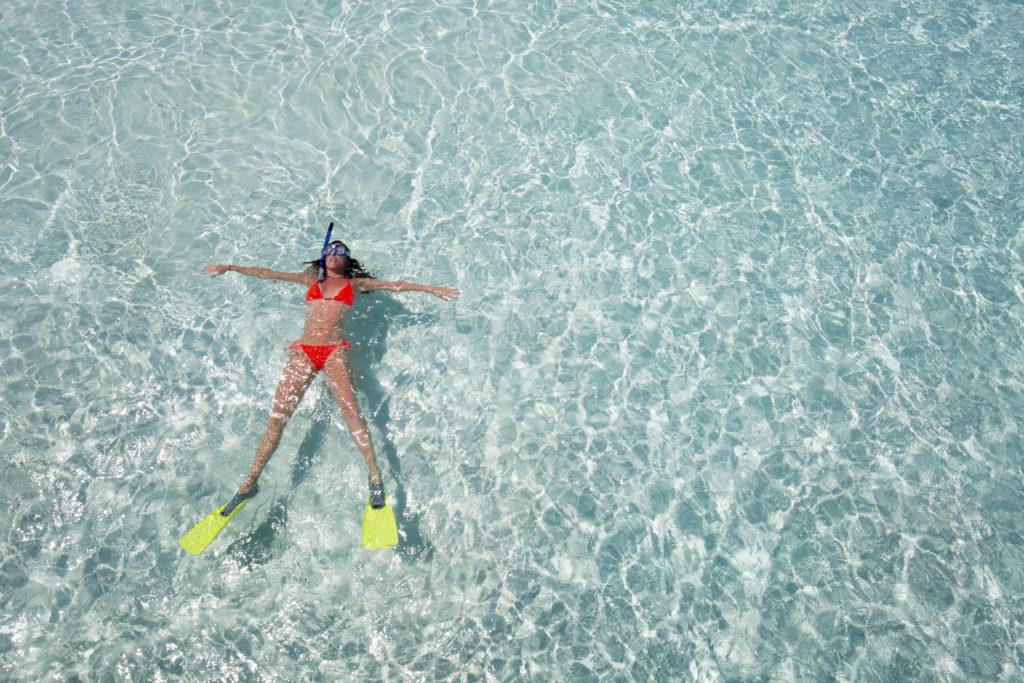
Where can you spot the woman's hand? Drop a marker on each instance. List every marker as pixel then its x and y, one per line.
pixel 214 271
pixel 446 293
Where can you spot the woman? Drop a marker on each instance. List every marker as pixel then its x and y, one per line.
pixel 323 347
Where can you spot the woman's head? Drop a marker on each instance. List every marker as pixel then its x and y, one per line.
pixel 336 256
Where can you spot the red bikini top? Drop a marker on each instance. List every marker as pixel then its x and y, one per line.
pixel 345 296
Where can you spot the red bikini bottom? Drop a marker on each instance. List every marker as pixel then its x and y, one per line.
pixel 318 355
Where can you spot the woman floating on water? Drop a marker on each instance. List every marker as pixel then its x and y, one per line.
pixel 322 347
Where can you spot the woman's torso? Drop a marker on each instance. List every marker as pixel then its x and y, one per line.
pixel 327 307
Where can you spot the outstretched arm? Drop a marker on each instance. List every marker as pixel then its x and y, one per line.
pixel 301 278
pixel 367 285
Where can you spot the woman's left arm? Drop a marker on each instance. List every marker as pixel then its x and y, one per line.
pixel 367 285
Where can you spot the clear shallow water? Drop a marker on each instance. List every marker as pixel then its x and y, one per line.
pixel 733 389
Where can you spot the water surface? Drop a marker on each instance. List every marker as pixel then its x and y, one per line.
pixel 732 391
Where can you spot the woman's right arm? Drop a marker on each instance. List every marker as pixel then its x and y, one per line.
pixel 301 278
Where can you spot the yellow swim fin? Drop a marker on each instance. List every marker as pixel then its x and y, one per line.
pixel 379 529
pixel 202 534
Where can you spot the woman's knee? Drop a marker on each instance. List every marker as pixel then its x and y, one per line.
pixel 355 421
pixel 361 438
pixel 277 422
pixel 357 426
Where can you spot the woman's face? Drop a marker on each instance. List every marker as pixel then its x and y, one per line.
pixel 336 256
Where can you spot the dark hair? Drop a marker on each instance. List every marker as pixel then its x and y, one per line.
pixel 353 269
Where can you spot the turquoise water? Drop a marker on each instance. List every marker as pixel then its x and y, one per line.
pixel 733 390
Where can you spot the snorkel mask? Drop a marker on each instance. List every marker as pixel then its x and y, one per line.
pixel 336 249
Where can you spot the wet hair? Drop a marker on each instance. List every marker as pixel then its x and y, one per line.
pixel 353 269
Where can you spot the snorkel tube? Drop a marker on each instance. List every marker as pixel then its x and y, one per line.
pixel 323 261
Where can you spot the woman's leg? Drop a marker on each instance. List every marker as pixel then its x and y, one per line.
pixel 295 379
pixel 341 380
